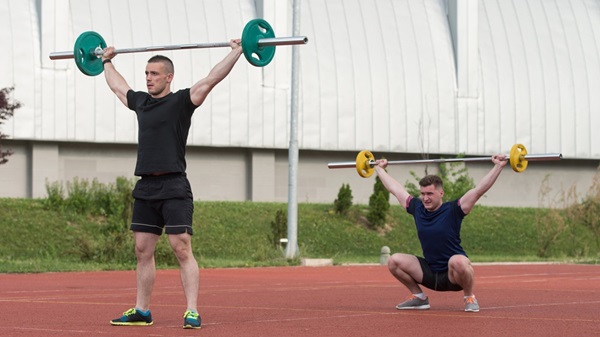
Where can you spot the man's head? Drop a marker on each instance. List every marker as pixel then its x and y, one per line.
pixel 159 74
pixel 432 192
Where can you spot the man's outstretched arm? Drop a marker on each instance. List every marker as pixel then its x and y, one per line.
pixel 200 90
pixel 468 201
pixel 391 184
pixel 115 81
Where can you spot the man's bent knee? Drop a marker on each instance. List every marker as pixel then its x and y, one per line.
pixel 395 261
pixel 403 262
pixel 459 264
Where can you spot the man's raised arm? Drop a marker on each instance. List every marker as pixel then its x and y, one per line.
pixel 115 81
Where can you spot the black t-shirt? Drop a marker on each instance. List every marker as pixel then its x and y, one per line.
pixel 163 126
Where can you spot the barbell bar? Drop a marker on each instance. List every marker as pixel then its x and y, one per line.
pixel 98 51
pixel 518 159
pixel 258 44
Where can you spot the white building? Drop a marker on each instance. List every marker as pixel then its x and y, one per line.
pixel 402 78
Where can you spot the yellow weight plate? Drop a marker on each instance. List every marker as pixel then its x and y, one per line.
pixel 517 158
pixel 363 167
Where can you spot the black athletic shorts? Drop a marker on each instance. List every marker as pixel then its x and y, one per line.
pixel 163 202
pixel 437 281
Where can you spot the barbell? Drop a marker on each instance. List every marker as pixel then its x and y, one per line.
pixel 518 159
pixel 258 44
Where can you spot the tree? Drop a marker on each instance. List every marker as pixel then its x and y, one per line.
pixel 344 200
pixel 379 204
pixel 7 110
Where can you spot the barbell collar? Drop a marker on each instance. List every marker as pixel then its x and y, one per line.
pixel 543 157
pixel 275 41
pixel 282 41
pixel 346 164
pixel 61 55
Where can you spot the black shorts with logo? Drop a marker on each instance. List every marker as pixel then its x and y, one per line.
pixel 437 281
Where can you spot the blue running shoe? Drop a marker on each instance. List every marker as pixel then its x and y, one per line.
pixel 132 317
pixel 191 320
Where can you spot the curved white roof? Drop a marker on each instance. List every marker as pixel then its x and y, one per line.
pixel 432 76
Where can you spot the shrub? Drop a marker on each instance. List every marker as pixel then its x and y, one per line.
pixel 558 220
pixel 379 187
pixel 590 208
pixel 83 196
pixel 7 110
pixel 56 196
pixel 278 228
pixel 111 203
pixel 379 204
pixel 344 200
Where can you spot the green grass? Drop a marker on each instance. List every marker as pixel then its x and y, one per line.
pixel 236 234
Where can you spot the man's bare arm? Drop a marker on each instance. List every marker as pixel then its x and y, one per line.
pixel 115 81
pixel 468 201
pixel 200 90
pixel 391 184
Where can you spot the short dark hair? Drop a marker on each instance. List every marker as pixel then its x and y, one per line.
pixel 431 179
pixel 167 61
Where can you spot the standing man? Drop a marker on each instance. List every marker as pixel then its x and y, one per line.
pixel 163 196
pixel 445 265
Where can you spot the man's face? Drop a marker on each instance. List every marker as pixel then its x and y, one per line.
pixel 431 197
pixel 158 81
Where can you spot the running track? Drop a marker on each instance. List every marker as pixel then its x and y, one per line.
pixel 516 300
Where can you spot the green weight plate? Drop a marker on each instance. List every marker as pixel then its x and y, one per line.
pixel 83 52
pixel 255 30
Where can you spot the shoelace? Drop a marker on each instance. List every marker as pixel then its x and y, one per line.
pixel 129 312
pixel 189 314
pixel 470 300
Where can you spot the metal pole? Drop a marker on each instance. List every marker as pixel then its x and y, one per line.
pixel 291 250
pixel 528 157
pixel 275 41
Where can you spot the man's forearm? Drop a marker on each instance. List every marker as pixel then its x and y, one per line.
pixel 223 68
pixel 393 186
pixel 116 82
pixel 488 180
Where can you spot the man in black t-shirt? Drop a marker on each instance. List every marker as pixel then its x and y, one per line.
pixel 163 196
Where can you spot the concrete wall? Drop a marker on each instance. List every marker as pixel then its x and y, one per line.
pixel 242 174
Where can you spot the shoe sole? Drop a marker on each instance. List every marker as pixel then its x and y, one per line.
pixel 420 307
pixel 471 310
pixel 131 323
pixel 191 327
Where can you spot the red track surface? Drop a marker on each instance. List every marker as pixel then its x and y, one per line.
pixel 516 300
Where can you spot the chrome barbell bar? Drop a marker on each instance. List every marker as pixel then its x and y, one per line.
pixel 275 41
pixel 528 157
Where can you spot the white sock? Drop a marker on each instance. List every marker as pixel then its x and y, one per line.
pixel 473 296
pixel 421 296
